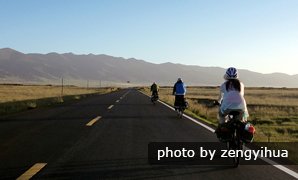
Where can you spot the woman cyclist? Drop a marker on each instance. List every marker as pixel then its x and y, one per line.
pixel 231 96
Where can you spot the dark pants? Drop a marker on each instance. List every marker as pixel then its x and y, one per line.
pixel 179 100
pixel 154 93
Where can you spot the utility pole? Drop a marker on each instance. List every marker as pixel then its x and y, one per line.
pixel 62 88
pixel 87 84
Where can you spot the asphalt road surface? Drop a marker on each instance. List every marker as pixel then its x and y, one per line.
pixel 106 137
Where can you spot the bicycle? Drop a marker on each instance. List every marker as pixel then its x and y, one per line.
pixel 236 128
pixel 181 108
pixel 233 132
pixel 154 98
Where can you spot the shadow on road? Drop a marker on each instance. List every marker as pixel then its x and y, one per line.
pixel 124 168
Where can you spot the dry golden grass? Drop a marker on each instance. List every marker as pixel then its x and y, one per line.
pixel 16 98
pixel 10 93
pixel 274 111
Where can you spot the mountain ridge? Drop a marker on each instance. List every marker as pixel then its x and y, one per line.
pixel 52 66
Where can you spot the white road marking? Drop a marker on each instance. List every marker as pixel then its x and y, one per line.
pixel 190 118
pixel 111 106
pixel 125 94
pixel 32 171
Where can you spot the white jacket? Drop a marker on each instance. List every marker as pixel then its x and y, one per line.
pixel 232 99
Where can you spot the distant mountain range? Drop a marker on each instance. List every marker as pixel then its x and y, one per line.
pixel 17 66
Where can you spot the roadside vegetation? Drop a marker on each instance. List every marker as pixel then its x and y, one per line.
pixel 18 97
pixel 273 111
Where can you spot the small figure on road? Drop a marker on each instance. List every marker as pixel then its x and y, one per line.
pixel 154 89
pixel 179 90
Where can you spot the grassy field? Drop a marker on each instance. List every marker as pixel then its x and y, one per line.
pixel 15 98
pixel 273 111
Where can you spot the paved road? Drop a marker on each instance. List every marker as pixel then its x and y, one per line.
pixel 115 146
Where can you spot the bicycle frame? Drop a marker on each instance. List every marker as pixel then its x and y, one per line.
pixel 154 98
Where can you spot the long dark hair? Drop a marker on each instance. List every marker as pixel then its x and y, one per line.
pixel 233 84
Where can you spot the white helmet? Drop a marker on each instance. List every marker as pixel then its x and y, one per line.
pixel 231 73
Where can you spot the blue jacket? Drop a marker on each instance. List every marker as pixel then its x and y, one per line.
pixel 179 88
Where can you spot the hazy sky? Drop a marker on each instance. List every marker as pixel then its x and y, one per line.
pixel 259 35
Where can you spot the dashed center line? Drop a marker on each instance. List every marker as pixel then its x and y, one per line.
pixel 32 171
pixel 117 101
pixel 90 123
pixel 111 106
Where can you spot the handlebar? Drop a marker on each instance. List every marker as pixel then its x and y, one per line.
pixel 216 103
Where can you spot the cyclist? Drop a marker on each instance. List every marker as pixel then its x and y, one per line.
pixel 154 89
pixel 179 91
pixel 231 96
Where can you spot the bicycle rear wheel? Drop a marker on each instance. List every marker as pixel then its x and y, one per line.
pixel 238 146
pixel 236 161
pixel 235 145
pixel 179 112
